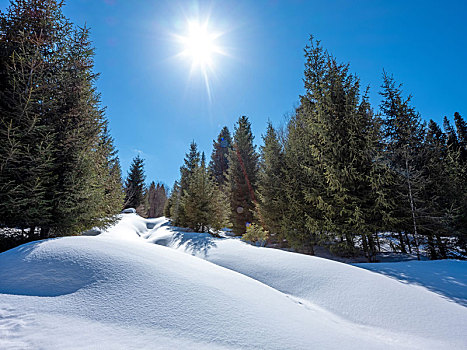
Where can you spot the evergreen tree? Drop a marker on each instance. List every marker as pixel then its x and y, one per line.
pixel 403 135
pixel 26 137
pixel 156 200
pixel 299 174
pixel 271 192
pixel 81 164
pixel 191 163
pixel 57 160
pixel 344 141
pixel 219 164
pixel 196 198
pixel 219 207
pixel 134 185
pixel 457 174
pixel 438 191
pixel 110 195
pixel 151 199
pixel 242 176
pixel 204 203
pixel 172 204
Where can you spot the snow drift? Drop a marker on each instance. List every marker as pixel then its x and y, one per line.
pixel 116 291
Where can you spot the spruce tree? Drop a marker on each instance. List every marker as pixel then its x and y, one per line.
pixel 403 136
pixel 219 163
pixel 160 200
pixel 196 198
pixel 59 168
pixel 242 176
pixel 271 191
pixel 300 173
pixel 109 192
pixel 27 59
pixel 172 205
pixel 151 199
pixel 456 164
pixel 204 203
pixel 84 152
pixel 191 163
pixel 344 137
pixel 134 185
pixel 156 198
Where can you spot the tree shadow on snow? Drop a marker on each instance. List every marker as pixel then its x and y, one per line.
pixel 445 277
pixel 196 243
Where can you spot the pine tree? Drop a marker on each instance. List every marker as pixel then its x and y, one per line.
pixel 219 207
pixel 196 198
pixel 172 205
pixel 191 163
pixel 242 176
pixel 59 168
pixel 26 137
pixel 108 182
pixel 439 192
pixel 219 164
pixel 457 174
pixel 151 199
pixel 300 173
pixel 205 205
pixel 81 164
pixel 344 137
pixel 271 191
pixel 403 135
pixel 134 185
pixel 160 200
pixel 156 198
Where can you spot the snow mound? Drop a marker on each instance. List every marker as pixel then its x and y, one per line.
pixel 41 269
pixel 116 291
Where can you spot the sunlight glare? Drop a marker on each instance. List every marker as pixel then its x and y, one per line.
pixel 199 45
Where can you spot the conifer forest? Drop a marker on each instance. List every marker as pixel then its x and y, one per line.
pixel 213 174
pixel 340 174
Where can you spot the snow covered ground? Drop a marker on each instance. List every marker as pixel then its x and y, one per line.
pixel 135 287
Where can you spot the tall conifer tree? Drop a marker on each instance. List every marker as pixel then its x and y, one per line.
pixel 344 138
pixel 242 177
pixel 219 164
pixel 271 191
pixel 58 162
pixel 134 185
pixel 403 137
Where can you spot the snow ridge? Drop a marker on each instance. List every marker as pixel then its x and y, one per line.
pixel 135 287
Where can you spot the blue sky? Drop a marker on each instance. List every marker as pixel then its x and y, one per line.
pixel 156 108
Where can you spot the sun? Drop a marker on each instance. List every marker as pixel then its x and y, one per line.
pixel 199 45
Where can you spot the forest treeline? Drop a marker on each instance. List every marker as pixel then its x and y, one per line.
pixel 340 174
pixel 59 170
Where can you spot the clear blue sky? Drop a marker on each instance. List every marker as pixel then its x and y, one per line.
pixel 155 108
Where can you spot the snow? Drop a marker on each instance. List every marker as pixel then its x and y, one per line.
pixel 135 287
pixel 445 277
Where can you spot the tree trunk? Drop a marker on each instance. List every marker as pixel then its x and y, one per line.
pixel 412 208
pixel 372 248
pixel 401 239
pixel 442 247
pixel 32 233
pixel 431 245
pixel 378 242
pixel 365 248
pixel 408 242
pixel 349 240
